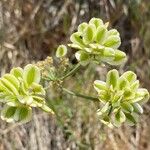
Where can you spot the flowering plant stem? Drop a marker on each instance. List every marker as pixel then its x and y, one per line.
pixel 72 71
pixel 80 95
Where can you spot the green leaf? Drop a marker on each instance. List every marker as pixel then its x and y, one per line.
pixel 17 72
pixel 127 107
pixel 61 51
pixel 7 113
pixel 23 114
pixel 99 85
pixel 112 41
pixel 106 120
pixel 130 76
pixel 112 78
pixel 31 74
pixel 89 33
pixel 137 108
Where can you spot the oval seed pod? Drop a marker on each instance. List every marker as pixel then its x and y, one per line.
pixel 8 113
pixel 112 41
pixel 76 39
pixel 100 34
pixel 137 108
pixel 12 79
pixel 89 33
pixel 23 114
pixel 96 21
pixel 127 107
pixel 119 58
pixel 130 76
pixel 31 74
pixel 17 72
pixel 99 85
pixel 82 27
pixel 112 78
pixel 61 51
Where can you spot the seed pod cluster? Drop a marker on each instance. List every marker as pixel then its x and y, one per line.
pixel 121 98
pixel 20 91
pixel 95 42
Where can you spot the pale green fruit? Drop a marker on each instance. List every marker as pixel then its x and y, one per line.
pixel 100 34
pixel 17 72
pixel 8 113
pixel 31 74
pixel 130 76
pixel 99 85
pixel 89 33
pixel 112 78
pixel 61 51
pixel 96 21
pixel 82 27
pixel 127 107
pixel 76 39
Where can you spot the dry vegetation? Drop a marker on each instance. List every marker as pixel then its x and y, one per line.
pixel 30 30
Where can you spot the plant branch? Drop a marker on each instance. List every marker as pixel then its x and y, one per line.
pixel 81 95
pixel 71 72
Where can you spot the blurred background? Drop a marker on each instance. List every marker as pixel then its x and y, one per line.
pixel 31 30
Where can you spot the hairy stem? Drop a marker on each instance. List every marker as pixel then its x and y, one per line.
pixel 72 71
pixel 81 95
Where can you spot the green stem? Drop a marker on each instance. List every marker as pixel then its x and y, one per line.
pixel 71 72
pixel 80 95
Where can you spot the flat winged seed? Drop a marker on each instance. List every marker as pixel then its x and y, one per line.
pixel 96 21
pixel 123 83
pixel 127 107
pixel 131 119
pixel 130 76
pixel 112 78
pixel 89 34
pixel 17 72
pixel 119 58
pixel 61 51
pixel 11 78
pixel 76 39
pixel 99 85
pixel 23 114
pixel 82 27
pixel 119 118
pixel 47 109
pixel 112 41
pixel 100 34
pixel 137 108
pixel 135 85
pixel 108 54
pixel 31 74
pixel 82 56
pixel 7 113
pixel 7 84
pixel 113 32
